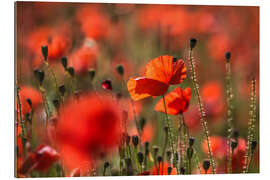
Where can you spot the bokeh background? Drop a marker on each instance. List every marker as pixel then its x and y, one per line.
pixel 102 36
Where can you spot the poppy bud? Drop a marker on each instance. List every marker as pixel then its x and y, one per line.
pixel 140 157
pixel 155 150
pixel 146 145
pixel 39 74
pixel 228 56
pixel 175 59
pixel 135 140
pixel 64 62
pixel 169 154
pixel 234 144
pixel 166 129
pixel 182 170
pixel 106 165
pixel 107 84
pixel 191 141
pixel 44 50
pixel 120 69
pixel 29 102
pixel 206 165
pixel 189 152
pixel 253 146
pixel 56 103
pixel 192 43
pixel 91 74
pixel 176 156
pixel 142 122
pixel 169 170
pixel 62 89
pixel 71 71
pixel 235 134
pixel 159 159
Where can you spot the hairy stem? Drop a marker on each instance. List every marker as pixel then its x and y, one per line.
pixel 202 113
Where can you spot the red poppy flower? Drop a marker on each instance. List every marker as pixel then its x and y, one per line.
pixel 218 146
pixel 87 128
pixel 40 160
pixel 159 74
pixel 177 101
pixel 238 158
pixel 27 92
pixel 85 57
pixel 163 170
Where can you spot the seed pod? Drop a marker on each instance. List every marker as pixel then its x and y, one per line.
pixel 40 75
pixel 253 146
pixel 235 134
pixel 135 140
pixel 120 69
pixel 106 165
pixel 169 154
pixel 206 165
pixel 29 102
pixel 71 71
pixel 228 56
pixel 192 43
pixel 234 144
pixel 56 103
pixel 64 62
pixel 159 159
pixel 169 170
pixel 140 157
pixel 182 170
pixel 62 89
pixel 191 141
pixel 142 122
pixel 91 74
pixel 44 50
pixel 155 148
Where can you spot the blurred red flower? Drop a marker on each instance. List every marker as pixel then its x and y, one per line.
pixel 212 96
pixel 159 74
pixel 177 101
pixel 87 128
pixel 55 38
pixel 39 160
pixel 163 170
pixel 27 92
pixel 85 57
pixel 94 23
pixel 218 146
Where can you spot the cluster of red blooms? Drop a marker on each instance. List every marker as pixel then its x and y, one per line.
pixel 87 126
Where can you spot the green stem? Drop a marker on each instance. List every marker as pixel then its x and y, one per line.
pixel 170 135
pixel 251 124
pixel 202 113
pixel 229 114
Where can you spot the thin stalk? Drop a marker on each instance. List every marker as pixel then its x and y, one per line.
pixel 251 124
pixel 202 113
pixel 229 114
pixel 170 135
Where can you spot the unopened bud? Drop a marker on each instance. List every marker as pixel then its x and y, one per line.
pixel 64 62
pixel 107 84
pixel 44 50
pixel 192 43
pixel 71 71
pixel 120 69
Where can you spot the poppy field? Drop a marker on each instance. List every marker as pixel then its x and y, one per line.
pixel 135 89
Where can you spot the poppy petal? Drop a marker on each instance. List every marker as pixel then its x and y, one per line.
pixel 142 87
pixel 131 88
pixel 177 101
pixel 179 72
pixel 160 69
